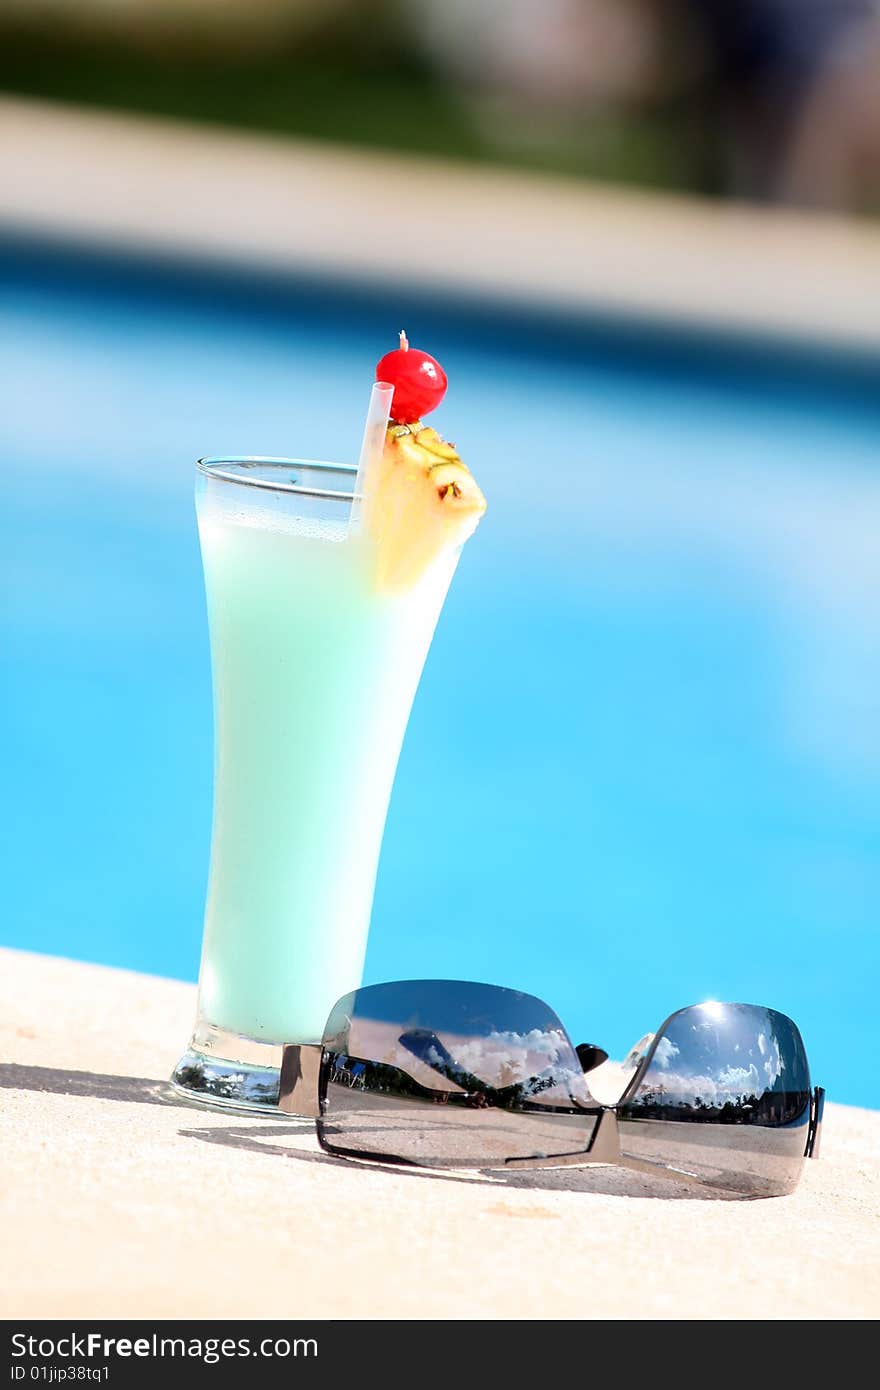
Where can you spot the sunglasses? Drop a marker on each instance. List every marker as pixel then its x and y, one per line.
pixel 452 1074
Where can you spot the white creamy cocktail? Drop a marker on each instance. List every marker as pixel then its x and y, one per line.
pixel 320 623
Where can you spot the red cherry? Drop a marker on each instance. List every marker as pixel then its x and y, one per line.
pixel 418 379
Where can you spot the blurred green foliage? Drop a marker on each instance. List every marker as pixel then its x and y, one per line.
pixel 339 81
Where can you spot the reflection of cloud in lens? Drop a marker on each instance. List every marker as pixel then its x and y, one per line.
pixel 511 1055
pixel 708 1068
pixel 499 1059
pixel 666 1050
pixel 729 1084
pixel 773 1062
pixel 741 1080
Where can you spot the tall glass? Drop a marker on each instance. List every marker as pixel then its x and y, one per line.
pixel 314 670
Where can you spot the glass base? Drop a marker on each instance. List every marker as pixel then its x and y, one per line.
pixel 227 1072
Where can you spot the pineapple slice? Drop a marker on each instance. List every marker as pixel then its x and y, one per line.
pixel 422 502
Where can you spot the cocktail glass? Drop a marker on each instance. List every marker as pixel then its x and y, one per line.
pixel 314 669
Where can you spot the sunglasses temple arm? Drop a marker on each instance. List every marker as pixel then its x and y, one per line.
pixel 657 1170
pixel 299 1090
pixel 604 1148
pixel 814 1131
pixel 606 1141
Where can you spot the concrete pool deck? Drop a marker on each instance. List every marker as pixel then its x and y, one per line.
pixel 162 187
pixel 117 1201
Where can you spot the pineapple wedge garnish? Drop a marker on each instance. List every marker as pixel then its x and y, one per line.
pixel 421 503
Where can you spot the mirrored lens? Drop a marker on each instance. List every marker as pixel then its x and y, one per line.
pixel 726 1096
pixel 446 1073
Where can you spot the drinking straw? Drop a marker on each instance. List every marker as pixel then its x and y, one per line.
pixel 372 446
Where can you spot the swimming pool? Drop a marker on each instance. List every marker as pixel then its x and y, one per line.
pixel 654 687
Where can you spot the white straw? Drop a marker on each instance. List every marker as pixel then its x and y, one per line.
pixel 372 446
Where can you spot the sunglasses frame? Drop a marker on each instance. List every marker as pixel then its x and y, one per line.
pixel 300 1094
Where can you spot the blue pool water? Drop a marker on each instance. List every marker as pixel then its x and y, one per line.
pixel 643 768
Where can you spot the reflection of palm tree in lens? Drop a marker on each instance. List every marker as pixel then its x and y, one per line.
pixel 428 1048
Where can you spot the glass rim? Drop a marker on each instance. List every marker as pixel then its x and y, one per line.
pixel 220 468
